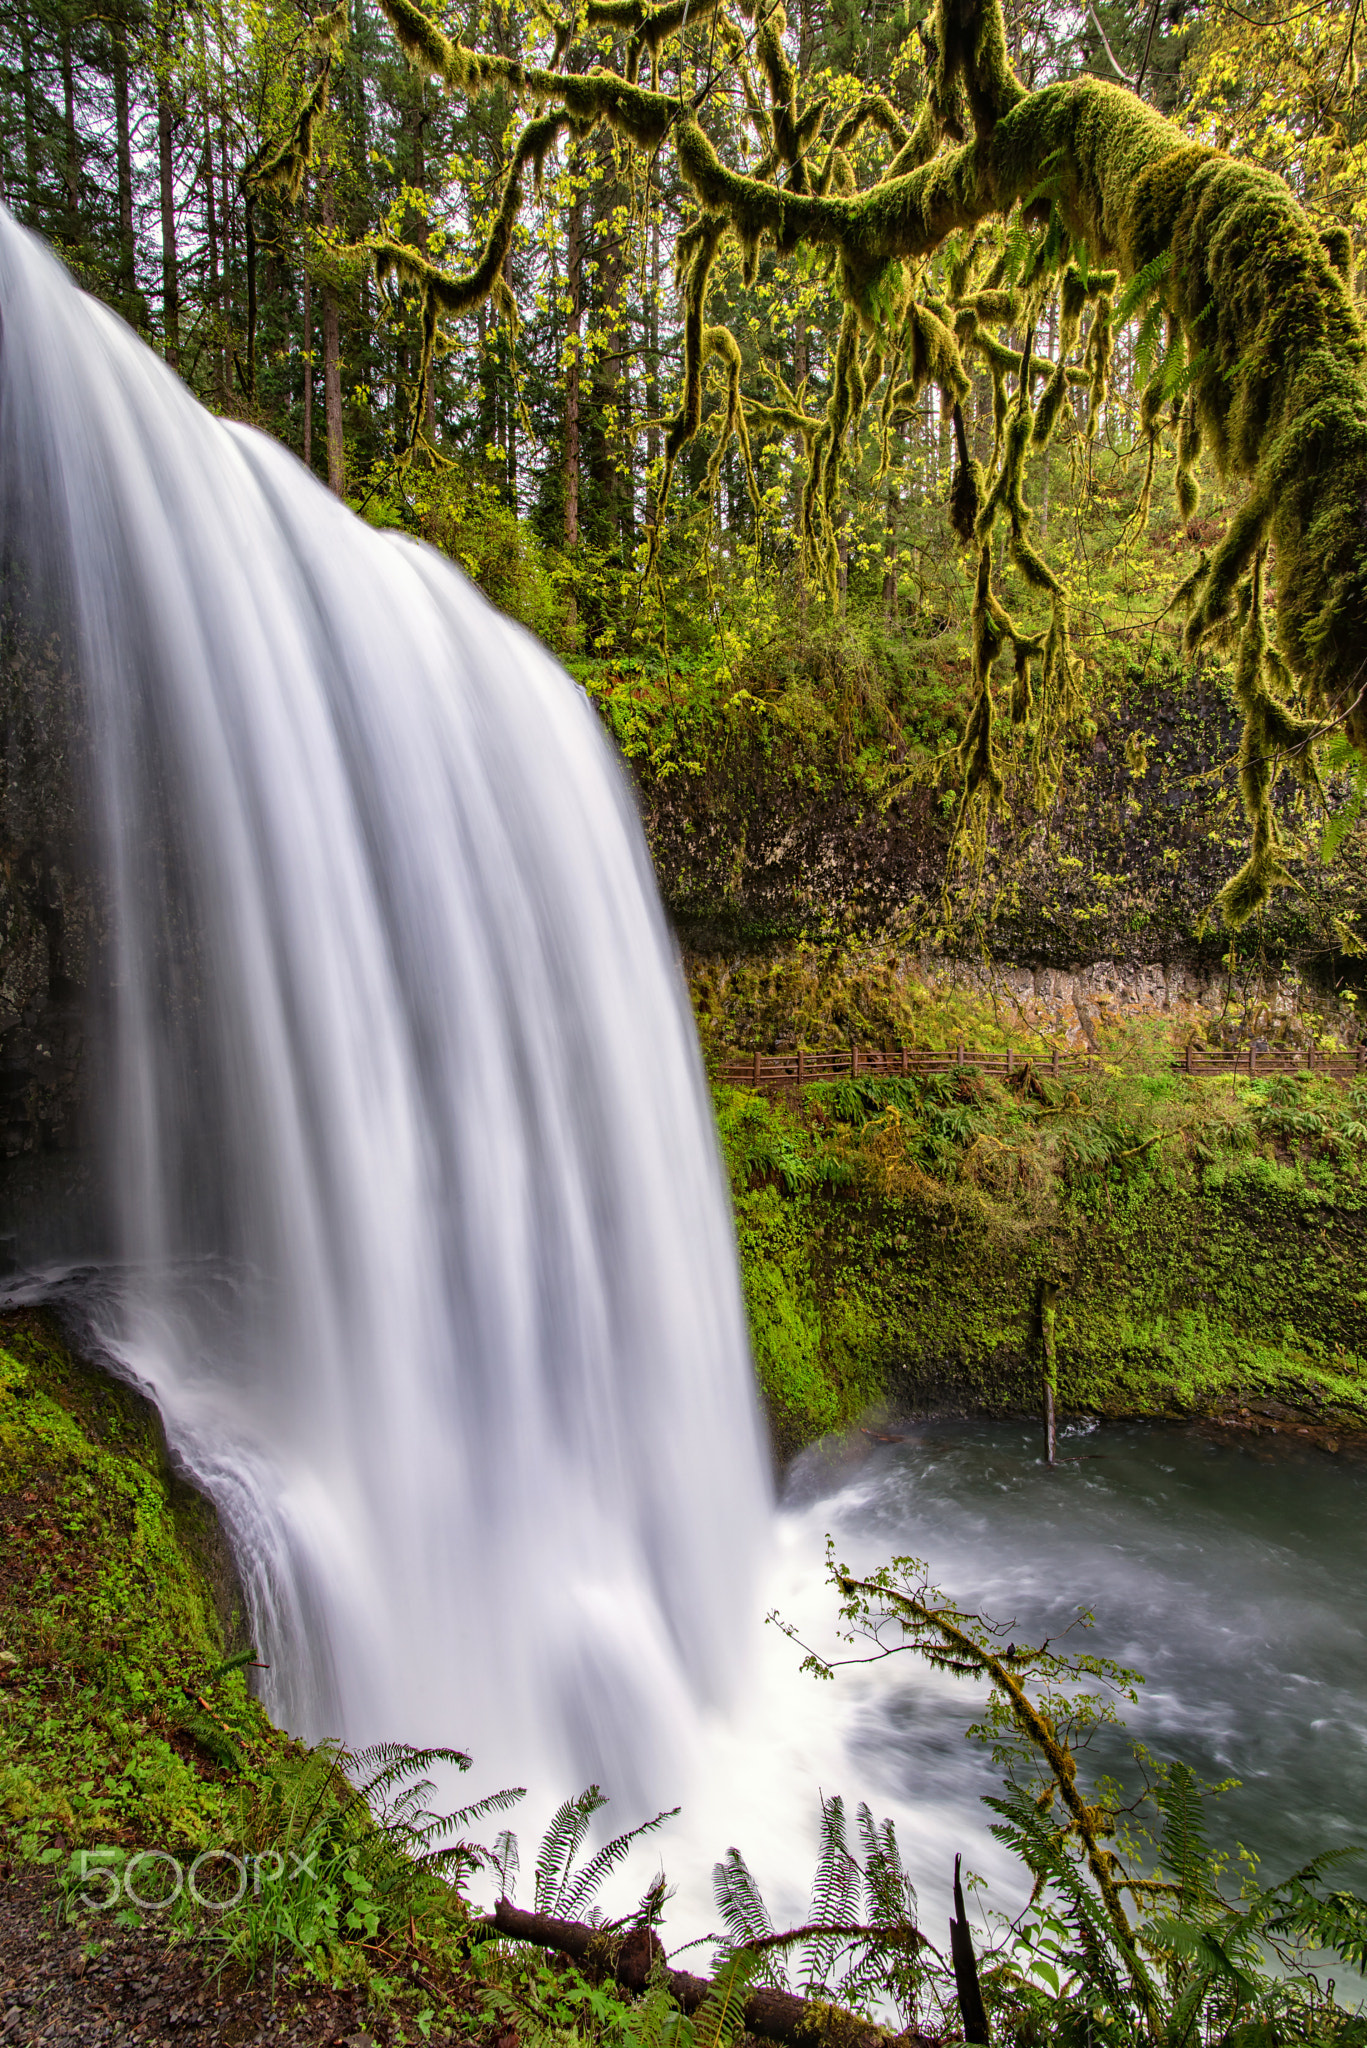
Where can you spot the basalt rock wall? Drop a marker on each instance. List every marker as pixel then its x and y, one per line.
pixel 48 951
pixel 768 840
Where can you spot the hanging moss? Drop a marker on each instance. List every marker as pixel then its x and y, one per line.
pixel 1264 369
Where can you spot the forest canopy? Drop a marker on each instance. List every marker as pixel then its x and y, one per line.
pixel 696 284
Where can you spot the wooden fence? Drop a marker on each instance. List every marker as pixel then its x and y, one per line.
pixel 795 1069
pixel 1246 1059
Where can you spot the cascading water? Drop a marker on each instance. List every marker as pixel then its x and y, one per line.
pixel 417 1223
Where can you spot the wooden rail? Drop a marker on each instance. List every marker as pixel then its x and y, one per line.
pixel 1246 1059
pixel 795 1069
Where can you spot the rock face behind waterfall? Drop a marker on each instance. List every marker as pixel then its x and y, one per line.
pixel 48 949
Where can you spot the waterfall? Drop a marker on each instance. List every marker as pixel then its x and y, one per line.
pixel 415 1222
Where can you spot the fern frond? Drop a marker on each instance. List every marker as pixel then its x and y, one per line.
pixel 505 1860
pixel 238 1662
pixel 835 1890
pixel 1142 286
pixel 1040 1846
pixel 890 1896
pixel 577 1896
pixel 1335 1921
pixel 656 2021
pixel 1183 1850
pixel 560 1845
pixel 1146 341
pixel 744 1914
pixel 1344 819
pixel 739 1900
pixel 720 2019
pixel 1212 1955
pixel 495 1802
pixel 375 1771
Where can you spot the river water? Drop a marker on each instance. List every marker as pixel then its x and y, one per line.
pixel 1232 1573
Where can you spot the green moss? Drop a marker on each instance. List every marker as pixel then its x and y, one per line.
pixel 116 1612
pixel 903 1258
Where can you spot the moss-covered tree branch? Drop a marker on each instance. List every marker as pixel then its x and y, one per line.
pixel 996 202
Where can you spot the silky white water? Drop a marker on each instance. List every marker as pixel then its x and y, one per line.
pixel 416 1226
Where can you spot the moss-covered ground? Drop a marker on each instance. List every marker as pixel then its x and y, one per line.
pixel 1208 1238
pixel 118 1720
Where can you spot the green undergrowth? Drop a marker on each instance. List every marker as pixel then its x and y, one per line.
pixel 124 1712
pixel 1208 1237
pixel 820 995
pixel 135 1766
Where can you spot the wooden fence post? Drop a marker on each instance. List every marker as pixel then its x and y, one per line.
pixel 1048 1314
pixel 756 1069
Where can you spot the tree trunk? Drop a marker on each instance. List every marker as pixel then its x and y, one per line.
pixel 626 459
pixel 229 238
pixel 307 348
pixel 510 414
pixel 210 213
pixel 415 231
pixel 170 271
pixel 653 372
pixel 30 118
pixel 486 411
pixel 71 166
pixel 801 464
pixel 631 1958
pixel 249 213
pixel 123 156
pixel 574 264
pixel 806 34
pixel 604 420
pixel 332 366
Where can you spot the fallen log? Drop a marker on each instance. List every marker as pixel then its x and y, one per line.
pixel 630 1957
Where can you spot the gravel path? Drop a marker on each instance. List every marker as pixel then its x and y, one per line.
pixel 138 1990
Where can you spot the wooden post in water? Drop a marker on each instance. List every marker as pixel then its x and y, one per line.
pixel 1048 1297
